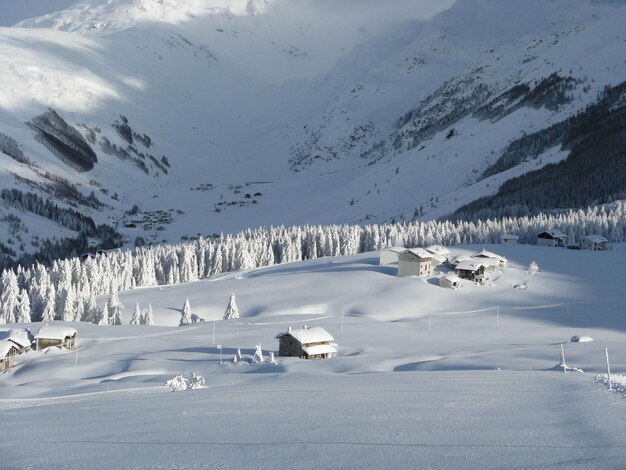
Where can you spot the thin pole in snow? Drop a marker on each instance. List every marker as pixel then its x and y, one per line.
pixel 213 332
pixel 563 358
pixel 608 367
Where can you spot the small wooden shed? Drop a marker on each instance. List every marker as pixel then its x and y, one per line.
pixel 7 351
pixel 306 343
pixel 56 335
pixel 593 242
pixel 415 262
pixel 390 255
pixel 509 239
pixel 451 281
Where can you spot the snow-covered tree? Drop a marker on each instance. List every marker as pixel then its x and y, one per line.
pixel 272 359
pixel 23 308
pixel 9 299
pixel 231 309
pixel 115 308
pixel 67 304
pixel 137 318
pixel 103 318
pixel 185 317
pixel 258 355
pixel 48 313
pixel 533 268
pixel 148 316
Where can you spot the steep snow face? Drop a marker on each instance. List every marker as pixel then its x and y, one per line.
pixel 274 112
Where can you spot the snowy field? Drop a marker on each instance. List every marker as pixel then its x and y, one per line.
pixel 424 378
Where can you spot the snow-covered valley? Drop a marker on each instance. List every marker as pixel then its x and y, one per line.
pixel 215 116
pixel 422 372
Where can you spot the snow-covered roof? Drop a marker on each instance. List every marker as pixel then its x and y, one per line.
pixel 509 236
pixel 421 252
pixel 469 265
pixel 489 254
pixel 486 262
pixel 595 238
pixel 306 335
pixel 457 259
pixel 439 258
pixel 19 336
pixel 554 233
pixel 320 349
pixel 395 249
pixel 452 277
pixel 55 332
pixel 438 250
pixel 5 348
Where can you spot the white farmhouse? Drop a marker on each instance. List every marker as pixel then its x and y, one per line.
pixel 415 262
pixel 306 343
pixel 509 239
pixel 390 255
pixel 593 242
pixel 552 238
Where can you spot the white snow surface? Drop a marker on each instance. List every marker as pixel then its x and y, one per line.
pixel 232 91
pixel 465 378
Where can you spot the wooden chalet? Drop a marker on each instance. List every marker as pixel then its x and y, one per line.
pixel 472 270
pixel 552 238
pixel 22 338
pixel 593 242
pixel 485 255
pixel 8 350
pixel 59 336
pixel 415 262
pixel 306 343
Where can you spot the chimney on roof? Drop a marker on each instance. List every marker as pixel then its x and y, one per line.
pixel 288 329
pixel 306 327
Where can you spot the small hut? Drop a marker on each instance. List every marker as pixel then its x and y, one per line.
pixel 593 242
pixel 509 239
pixel 451 281
pixel 59 336
pixel 390 255
pixel 306 343
pixel 415 262
pixel 7 351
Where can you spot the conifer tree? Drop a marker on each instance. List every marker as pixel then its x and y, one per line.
pixel 48 313
pixel 148 316
pixel 137 318
pixel 185 317
pixel 231 309
pixel 23 308
pixel 115 309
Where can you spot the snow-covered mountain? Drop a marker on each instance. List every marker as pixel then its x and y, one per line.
pixel 170 118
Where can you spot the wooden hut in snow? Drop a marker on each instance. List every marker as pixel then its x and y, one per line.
pixel 509 239
pixel 415 262
pixel 7 351
pixel 593 242
pixel 306 343
pixel 451 281
pixel 56 335
pixel 390 255
pixel 552 238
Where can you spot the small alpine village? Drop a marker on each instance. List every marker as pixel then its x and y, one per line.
pixel 57 309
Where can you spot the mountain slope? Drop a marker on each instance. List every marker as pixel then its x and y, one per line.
pixel 214 116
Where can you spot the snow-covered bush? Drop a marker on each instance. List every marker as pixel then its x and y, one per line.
pixel 258 355
pixel 533 268
pixel 180 383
